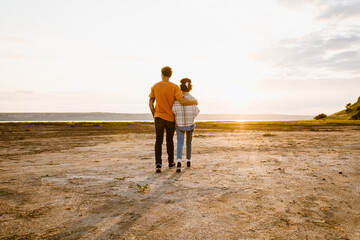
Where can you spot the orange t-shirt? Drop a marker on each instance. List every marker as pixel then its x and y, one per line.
pixel 165 93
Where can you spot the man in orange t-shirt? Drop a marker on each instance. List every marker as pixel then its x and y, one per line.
pixel 165 93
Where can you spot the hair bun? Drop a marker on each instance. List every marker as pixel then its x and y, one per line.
pixel 186 84
pixel 185 80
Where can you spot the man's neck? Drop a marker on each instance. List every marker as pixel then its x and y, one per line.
pixel 166 79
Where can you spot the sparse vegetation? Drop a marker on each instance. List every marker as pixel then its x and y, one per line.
pixel 269 134
pixel 356 116
pixel 240 125
pixel 349 113
pixel 122 178
pixel 320 116
pixel 287 163
pixel 200 136
pixel 348 108
pixel 143 188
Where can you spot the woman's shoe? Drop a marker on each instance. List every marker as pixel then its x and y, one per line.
pixel 178 169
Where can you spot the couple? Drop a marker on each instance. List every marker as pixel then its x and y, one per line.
pixel 173 105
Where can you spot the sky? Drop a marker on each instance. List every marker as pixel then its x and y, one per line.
pixel 244 57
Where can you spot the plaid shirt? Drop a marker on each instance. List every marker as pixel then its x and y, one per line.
pixel 185 115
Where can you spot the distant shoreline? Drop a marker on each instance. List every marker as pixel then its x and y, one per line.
pixel 140 121
pixel 139 117
pixel 211 124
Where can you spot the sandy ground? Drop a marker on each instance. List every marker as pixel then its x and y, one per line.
pixel 80 182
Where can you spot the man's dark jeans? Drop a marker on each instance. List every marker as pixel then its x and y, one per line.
pixel 160 125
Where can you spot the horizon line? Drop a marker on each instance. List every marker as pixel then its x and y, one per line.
pixel 150 113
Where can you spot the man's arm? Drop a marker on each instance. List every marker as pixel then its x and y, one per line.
pixel 186 102
pixel 151 105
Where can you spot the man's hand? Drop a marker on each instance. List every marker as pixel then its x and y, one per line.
pixel 151 105
pixel 186 102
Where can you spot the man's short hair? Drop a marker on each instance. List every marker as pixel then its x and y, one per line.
pixel 166 71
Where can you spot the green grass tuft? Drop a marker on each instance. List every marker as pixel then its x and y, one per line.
pixel 269 134
pixel 143 188
pixel 122 178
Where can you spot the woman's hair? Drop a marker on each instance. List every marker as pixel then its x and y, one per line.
pixel 166 71
pixel 185 85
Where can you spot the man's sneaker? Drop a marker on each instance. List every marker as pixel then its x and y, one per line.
pixel 171 165
pixel 188 163
pixel 158 168
pixel 178 169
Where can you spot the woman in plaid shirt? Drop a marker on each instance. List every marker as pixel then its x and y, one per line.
pixel 184 118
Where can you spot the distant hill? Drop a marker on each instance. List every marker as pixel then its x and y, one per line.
pixel 103 116
pixel 348 112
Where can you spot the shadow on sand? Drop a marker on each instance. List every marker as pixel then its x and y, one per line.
pixel 113 219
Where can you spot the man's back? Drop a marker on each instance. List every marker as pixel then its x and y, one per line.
pixel 165 93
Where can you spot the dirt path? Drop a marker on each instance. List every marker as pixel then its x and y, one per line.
pixel 242 185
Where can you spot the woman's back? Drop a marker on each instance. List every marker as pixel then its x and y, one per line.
pixel 185 115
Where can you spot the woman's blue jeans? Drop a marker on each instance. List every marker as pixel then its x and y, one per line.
pixel 180 143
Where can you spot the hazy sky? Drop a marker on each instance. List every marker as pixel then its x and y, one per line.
pixel 258 56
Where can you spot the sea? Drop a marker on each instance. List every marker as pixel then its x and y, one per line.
pixel 137 117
